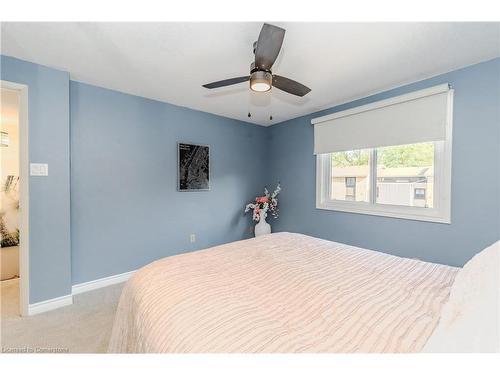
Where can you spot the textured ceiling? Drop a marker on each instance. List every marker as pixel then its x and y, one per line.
pixel 169 62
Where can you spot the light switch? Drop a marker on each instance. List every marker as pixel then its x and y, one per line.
pixel 39 169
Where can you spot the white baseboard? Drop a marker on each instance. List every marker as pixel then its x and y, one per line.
pixel 101 283
pixel 55 303
pixel 50 304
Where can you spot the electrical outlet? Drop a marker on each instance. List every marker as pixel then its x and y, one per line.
pixel 192 237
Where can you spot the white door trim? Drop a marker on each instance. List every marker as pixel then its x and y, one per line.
pixel 23 194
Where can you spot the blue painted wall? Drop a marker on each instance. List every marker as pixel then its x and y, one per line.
pixel 125 207
pixel 126 211
pixel 475 178
pixel 49 198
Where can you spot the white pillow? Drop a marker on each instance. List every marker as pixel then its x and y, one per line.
pixel 470 320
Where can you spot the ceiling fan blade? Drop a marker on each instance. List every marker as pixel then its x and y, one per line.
pixel 290 86
pixel 268 46
pixel 226 82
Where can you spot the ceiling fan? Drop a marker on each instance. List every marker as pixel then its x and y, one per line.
pixel 266 50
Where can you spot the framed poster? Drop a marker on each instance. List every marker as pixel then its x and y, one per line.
pixel 194 167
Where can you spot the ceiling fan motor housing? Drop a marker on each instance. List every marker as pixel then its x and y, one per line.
pixel 260 80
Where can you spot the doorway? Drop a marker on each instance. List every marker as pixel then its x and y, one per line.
pixel 14 187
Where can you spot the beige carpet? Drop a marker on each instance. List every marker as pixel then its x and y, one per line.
pixel 84 327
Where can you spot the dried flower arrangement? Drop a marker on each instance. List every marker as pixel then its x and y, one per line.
pixel 267 202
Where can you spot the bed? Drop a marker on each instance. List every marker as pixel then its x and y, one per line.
pixel 281 293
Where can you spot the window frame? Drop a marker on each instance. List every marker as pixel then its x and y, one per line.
pixel 440 213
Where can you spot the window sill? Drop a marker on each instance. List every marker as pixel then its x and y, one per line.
pixel 399 212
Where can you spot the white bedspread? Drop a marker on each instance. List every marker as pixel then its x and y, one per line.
pixel 283 292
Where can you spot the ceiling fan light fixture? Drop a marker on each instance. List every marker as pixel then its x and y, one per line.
pixel 261 81
pixel 266 49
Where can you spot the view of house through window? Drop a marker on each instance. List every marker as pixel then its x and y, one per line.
pixel 404 175
pixel 350 176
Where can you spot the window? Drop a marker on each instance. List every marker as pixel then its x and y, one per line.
pixel 419 193
pixel 350 182
pixel 350 172
pixel 408 180
pixel 403 172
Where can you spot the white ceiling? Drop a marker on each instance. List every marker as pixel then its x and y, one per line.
pixel 169 62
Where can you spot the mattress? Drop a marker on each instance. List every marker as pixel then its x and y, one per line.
pixel 281 293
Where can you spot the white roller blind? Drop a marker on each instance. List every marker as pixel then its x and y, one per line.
pixel 420 116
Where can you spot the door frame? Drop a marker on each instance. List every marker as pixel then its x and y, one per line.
pixel 24 276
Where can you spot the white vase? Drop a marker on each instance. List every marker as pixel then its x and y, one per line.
pixel 262 227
